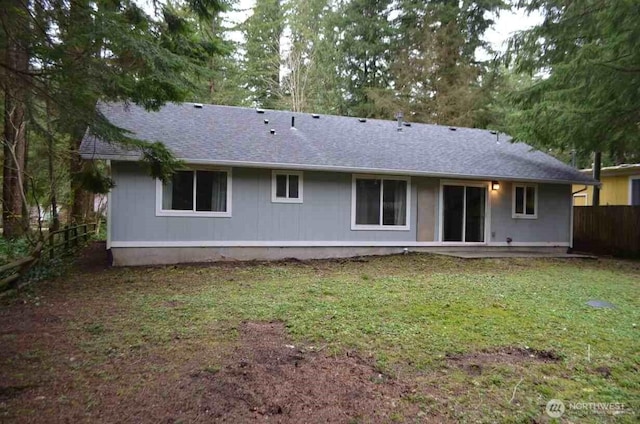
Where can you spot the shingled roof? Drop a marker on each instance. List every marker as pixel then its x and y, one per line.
pixel 236 136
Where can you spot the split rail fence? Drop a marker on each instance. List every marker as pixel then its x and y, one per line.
pixel 58 243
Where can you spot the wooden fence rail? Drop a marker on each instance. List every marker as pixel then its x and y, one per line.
pixel 58 243
pixel 68 237
pixel 18 268
pixel 608 230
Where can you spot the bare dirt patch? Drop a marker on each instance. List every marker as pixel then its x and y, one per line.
pixel 259 377
pixel 266 377
pixel 93 258
pixel 474 363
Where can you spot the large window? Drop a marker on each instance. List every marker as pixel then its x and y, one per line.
pixel 525 201
pixel 380 203
pixel 195 193
pixel 286 187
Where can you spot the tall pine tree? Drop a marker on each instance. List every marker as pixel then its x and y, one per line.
pixel 365 35
pixel 436 75
pixel 301 84
pixel 587 98
pixel 262 32
pixel 15 45
pixel 65 57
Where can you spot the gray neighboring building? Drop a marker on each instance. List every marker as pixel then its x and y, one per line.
pixel 264 184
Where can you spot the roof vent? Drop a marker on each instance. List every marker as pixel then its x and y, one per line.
pixel 406 124
pixel 399 117
pixel 362 119
pixel 198 105
pixel 315 116
pixel 452 128
pixel 266 121
pixel 259 110
pixel 272 131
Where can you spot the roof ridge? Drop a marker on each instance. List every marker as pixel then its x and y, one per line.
pixel 265 110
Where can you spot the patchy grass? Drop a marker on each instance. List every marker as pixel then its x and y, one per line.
pixel 482 340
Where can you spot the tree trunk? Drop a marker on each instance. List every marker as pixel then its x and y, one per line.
pixel 15 85
pixel 80 198
pixel 54 225
pixel 82 48
pixel 24 189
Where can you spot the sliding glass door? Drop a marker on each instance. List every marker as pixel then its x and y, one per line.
pixel 463 213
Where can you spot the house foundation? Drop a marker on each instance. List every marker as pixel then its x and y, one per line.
pixel 136 256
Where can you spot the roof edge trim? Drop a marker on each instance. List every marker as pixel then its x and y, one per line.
pixel 296 166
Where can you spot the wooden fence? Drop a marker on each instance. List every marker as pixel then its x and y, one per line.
pixel 607 230
pixel 12 271
pixel 59 243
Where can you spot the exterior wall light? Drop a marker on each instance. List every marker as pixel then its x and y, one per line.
pixel 495 185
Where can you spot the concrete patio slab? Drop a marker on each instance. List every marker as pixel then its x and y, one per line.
pixel 485 254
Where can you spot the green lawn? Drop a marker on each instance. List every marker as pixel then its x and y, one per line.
pixel 421 318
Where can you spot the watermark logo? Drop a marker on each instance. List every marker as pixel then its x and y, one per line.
pixel 555 408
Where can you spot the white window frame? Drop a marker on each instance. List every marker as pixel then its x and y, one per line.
pixel 275 199
pixel 194 213
pixel 631 179
pixel 524 214
pixel 357 227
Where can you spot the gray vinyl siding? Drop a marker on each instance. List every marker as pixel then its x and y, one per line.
pixel 325 214
pixel 552 224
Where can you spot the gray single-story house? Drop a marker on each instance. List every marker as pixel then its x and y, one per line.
pixel 265 184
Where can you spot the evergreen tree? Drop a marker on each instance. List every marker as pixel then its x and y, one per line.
pixel 305 22
pixel 329 93
pixel 436 75
pixel 224 84
pixel 65 57
pixel 262 32
pixel 15 46
pixel 365 35
pixel 587 97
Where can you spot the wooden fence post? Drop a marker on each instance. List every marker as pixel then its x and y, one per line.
pixel 52 237
pixel 32 260
pixel 86 232
pixel 66 237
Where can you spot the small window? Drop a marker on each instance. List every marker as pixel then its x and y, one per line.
pixel 634 191
pixel 195 193
pixel 580 199
pixel 286 187
pixel 380 203
pixel 525 201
